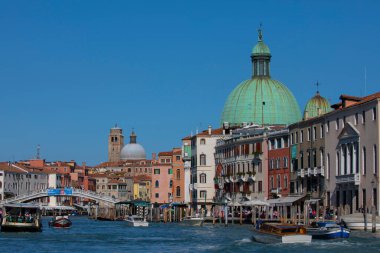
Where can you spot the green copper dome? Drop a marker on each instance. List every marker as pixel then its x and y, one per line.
pixel 316 106
pixel 261 100
pixel 245 103
pixel 260 48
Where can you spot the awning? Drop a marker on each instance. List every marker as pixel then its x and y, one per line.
pixel 286 201
pixel 255 202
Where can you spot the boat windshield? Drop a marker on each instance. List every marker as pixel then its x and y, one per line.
pixel 21 214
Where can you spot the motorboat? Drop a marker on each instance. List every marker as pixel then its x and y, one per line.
pixel 193 221
pixel 60 222
pixel 136 221
pixel 328 230
pixel 21 217
pixel 356 221
pixel 266 232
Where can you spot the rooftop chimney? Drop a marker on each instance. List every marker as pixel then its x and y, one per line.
pixel 209 129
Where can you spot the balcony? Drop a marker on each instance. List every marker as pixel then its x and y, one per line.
pixel 311 172
pixel 350 178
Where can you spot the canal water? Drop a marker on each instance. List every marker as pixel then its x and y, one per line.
pixel 104 236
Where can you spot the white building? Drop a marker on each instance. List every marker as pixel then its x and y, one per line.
pixel 17 180
pixel 203 167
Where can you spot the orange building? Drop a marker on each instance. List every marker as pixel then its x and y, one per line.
pixel 178 176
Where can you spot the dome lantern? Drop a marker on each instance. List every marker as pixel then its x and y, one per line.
pixel 260 57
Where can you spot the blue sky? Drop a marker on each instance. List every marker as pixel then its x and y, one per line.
pixel 70 70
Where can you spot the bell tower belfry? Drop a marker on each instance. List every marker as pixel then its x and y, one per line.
pixel 115 143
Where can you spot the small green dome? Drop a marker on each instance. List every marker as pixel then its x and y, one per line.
pixel 316 106
pixel 260 48
pixel 258 99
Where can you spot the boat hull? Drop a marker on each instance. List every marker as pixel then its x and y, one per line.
pixel 137 223
pixel 21 227
pixel 361 225
pixel 197 222
pixel 333 233
pixel 272 238
pixel 61 223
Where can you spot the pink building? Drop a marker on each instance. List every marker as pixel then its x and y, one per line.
pixel 162 179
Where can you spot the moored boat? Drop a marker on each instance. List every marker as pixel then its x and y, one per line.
pixel 280 233
pixel 193 221
pixel 328 230
pixel 356 221
pixel 60 222
pixel 136 221
pixel 21 217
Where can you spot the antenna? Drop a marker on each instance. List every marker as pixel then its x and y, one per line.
pixel 365 80
pixel 38 152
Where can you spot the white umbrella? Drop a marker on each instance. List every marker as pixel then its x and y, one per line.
pixel 234 204
pixel 255 202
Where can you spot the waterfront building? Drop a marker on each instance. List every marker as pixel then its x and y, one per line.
pixel 115 144
pixel 261 99
pixel 114 185
pixel 352 153
pixel 16 179
pixel 242 168
pixel 203 167
pixel 162 179
pixel 278 163
pixel 178 190
pixel 307 139
pixel 186 158
pixel 142 187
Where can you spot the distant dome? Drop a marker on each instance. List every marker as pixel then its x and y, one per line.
pixel 133 150
pixel 316 106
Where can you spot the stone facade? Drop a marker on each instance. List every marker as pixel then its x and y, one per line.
pixel 115 144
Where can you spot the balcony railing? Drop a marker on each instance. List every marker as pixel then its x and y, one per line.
pixel 311 172
pixel 350 178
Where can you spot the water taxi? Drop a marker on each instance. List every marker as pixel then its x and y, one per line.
pixel 136 221
pixel 60 222
pixel 356 221
pixel 280 233
pixel 328 230
pixel 21 217
pixel 193 221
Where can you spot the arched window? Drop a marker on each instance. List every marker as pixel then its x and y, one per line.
pixel 170 183
pixel 203 141
pixel 178 191
pixel 178 174
pixel 202 178
pixel 203 159
pixel 271 183
pixel 157 184
pixel 278 181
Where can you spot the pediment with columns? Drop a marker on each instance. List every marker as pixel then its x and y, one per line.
pixel 348 134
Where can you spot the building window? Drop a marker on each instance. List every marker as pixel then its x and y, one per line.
pixel 314 133
pixel 301 160
pixel 328 166
pixel 363 117
pixel 374 113
pixel 178 158
pixel 157 171
pixel 203 159
pixel 291 139
pixel 286 162
pixel 277 163
pixel 296 137
pixel 285 182
pixel 203 141
pixel 364 160
pixel 170 171
pixel 170 183
pixel 202 178
pixel 178 191
pixel 374 159
pixel 327 126
pixel 322 132
pixel 157 184
pixel 167 160
pixel 308 134
pixel 178 174
pixel 278 181
pixel 162 160
pixel 157 195
pixel 260 186
pixel 301 136
pixel 271 183
pixel 203 194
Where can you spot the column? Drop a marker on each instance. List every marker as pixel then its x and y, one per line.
pixel 348 158
pixel 341 169
pixel 354 155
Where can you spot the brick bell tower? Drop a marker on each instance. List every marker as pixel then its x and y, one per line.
pixel 115 143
